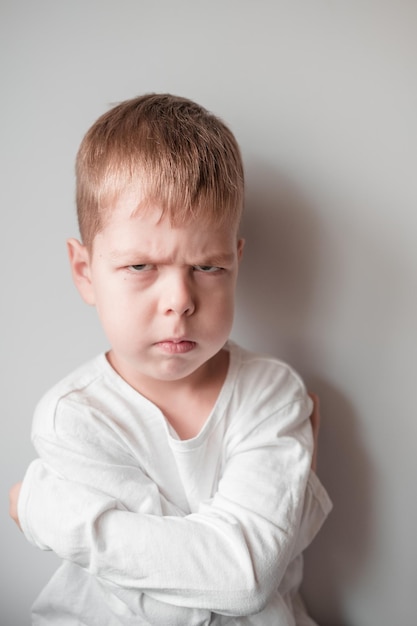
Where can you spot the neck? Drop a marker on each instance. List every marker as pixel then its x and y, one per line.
pixel 187 403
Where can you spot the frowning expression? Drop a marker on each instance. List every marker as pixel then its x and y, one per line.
pixel 164 294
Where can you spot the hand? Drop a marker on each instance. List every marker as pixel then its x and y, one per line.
pixel 315 423
pixel 13 500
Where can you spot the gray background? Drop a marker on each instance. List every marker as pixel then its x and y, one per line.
pixel 322 97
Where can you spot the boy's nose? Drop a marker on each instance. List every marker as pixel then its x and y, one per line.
pixel 179 297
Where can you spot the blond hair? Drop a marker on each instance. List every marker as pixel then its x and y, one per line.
pixel 181 157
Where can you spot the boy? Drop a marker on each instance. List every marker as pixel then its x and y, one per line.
pixel 174 474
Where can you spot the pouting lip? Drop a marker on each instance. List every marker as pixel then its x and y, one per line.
pixel 176 346
pixel 175 340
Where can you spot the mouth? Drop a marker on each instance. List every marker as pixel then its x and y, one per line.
pixel 176 346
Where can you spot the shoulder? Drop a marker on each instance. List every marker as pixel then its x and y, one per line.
pixel 269 401
pixel 73 389
pixel 263 376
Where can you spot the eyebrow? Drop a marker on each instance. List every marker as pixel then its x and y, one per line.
pixel 216 259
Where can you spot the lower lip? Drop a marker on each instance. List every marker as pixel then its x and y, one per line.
pixel 176 347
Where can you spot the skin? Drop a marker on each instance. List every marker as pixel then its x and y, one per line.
pixel 165 298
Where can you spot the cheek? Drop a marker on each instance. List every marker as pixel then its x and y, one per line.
pixel 222 306
pixel 112 310
pixel 123 310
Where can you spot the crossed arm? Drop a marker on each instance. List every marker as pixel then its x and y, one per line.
pixel 215 523
pixel 315 423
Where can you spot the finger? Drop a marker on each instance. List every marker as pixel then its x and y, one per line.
pixel 13 501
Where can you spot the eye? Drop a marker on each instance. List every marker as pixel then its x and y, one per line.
pixel 140 267
pixel 207 269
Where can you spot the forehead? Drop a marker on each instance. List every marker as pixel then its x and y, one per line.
pixel 147 230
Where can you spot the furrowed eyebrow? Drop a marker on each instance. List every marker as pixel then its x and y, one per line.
pixel 209 259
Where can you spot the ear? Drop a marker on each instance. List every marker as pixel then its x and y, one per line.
pixel 240 246
pixel 80 262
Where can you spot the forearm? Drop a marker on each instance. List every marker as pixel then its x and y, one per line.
pixel 136 490
pixel 141 551
pixel 229 557
pixel 38 490
pixel 224 558
pixel 110 471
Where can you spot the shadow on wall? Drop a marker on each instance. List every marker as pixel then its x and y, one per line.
pixel 278 268
pixel 276 300
pixel 335 560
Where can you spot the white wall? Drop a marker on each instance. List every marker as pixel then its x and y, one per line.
pixel 322 97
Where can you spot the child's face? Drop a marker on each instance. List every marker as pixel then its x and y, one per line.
pixel 164 295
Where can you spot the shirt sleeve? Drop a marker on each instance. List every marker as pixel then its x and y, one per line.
pixel 91 465
pixel 228 557
pixel 316 508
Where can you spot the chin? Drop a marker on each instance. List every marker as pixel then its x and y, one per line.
pixel 176 371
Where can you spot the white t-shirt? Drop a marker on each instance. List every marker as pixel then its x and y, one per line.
pixel 157 530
